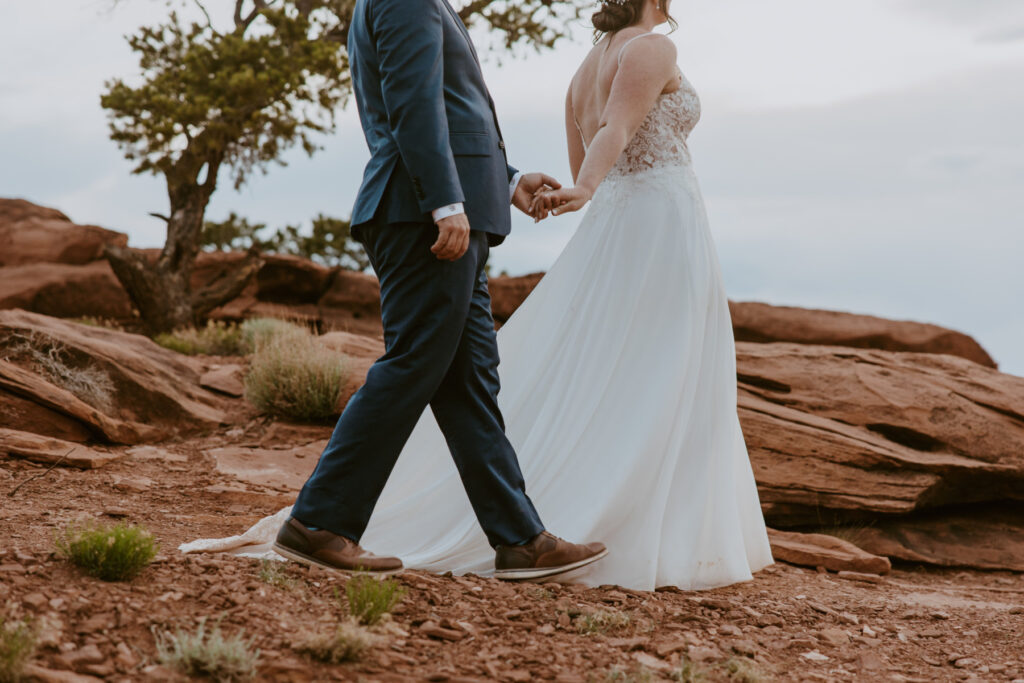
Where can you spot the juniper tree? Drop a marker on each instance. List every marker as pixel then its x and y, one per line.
pixel 210 101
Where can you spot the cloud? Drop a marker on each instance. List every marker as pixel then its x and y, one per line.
pixel 1009 34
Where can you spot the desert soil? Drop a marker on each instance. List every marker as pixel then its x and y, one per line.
pixel 788 623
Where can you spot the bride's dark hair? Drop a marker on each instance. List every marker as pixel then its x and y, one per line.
pixel 616 15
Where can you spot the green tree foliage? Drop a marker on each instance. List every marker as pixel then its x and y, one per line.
pixel 330 242
pixel 234 99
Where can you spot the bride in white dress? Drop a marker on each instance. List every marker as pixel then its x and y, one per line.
pixel 619 369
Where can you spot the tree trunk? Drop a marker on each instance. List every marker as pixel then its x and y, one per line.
pixel 162 291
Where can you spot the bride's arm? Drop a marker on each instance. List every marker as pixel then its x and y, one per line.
pixel 574 137
pixel 646 68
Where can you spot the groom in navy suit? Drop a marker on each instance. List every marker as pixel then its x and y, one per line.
pixel 435 197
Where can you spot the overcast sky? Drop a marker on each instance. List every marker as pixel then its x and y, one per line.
pixel 859 155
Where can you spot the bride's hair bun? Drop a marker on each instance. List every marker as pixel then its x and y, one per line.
pixel 617 14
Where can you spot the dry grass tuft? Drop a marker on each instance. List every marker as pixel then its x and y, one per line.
pixel 17 647
pixel 208 654
pixel 603 621
pixel 216 339
pixel 52 359
pixel 346 644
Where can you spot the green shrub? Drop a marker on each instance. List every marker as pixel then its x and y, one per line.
pixel 370 598
pixel 293 376
pixel 208 654
pixel 111 553
pixel 216 339
pixel 346 644
pixel 17 646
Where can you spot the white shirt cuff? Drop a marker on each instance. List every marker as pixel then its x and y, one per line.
pixel 447 211
pixel 513 184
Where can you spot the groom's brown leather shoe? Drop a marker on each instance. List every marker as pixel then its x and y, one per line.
pixel 327 549
pixel 544 555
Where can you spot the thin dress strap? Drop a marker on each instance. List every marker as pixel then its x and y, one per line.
pixel 622 50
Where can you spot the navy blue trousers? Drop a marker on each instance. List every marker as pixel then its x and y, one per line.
pixel 441 351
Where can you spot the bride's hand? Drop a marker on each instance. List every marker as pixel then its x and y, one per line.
pixel 561 201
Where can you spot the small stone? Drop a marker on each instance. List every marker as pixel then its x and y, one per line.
pixel 729 630
pixel 628 644
pixel 651 662
pixel 564 620
pixel 870 661
pixel 432 630
pixel 861 576
pixel 545 629
pixel 941 616
pixel 42 675
pixel 35 600
pixel 867 631
pixel 747 648
pixel 965 663
pixel 700 653
pixel 517 675
pixel 848 618
pixel 814 656
pixel 666 649
pixel 836 637
pixel 802 643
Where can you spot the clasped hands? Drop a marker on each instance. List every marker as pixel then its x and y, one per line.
pixel 537 195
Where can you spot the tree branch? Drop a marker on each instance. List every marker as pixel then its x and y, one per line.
pixel 209 23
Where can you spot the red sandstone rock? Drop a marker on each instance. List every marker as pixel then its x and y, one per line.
pixel 858 432
pixel 47 450
pixel 985 537
pixel 151 393
pixel 64 291
pixel 758 322
pixel 508 293
pixel 820 550
pixel 36 234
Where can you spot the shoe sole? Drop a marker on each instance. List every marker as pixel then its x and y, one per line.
pixel 541 572
pixel 301 558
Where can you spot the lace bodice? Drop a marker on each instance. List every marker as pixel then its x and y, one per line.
pixel 661 139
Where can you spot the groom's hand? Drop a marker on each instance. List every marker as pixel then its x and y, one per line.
pixel 452 239
pixel 529 184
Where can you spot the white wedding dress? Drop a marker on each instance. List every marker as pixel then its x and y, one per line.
pixel 619 396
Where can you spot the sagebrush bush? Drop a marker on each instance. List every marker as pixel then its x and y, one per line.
pixel 111 553
pixel 295 377
pixel 215 339
pixel 368 598
pixel 17 646
pixel 208 654
pixel 257 332
pixel 346 644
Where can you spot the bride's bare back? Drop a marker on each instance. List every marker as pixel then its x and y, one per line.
pixel 591 85
pixel 609 98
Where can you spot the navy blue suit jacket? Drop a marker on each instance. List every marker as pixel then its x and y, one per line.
pixel 428 118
